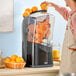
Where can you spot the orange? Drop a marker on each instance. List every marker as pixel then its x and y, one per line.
pixel 34 9
pixel 19 60
pixel 44 6
pixel 29 10
pixel 41 29
pixel 7 60
pixel 47 21
pixel 13 57
pixel 12 61
pixel 22 62
pixel 37 35
pixel 26 13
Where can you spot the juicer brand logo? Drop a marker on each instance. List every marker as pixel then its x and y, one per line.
pixel 45 62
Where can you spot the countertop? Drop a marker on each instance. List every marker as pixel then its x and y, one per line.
pixel 29 71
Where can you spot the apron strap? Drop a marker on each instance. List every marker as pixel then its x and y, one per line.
pixel 73 49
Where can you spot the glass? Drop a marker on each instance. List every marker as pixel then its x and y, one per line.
pixel 56 51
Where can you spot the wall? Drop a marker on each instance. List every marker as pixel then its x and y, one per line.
pixel 10 43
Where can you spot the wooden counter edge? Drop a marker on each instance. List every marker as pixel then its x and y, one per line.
pixel 30 71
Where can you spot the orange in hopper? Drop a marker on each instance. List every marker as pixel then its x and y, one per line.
pixel 46 21
pixel 42 28
pixel 29 10
pixel 34 9
pixel 26 13
pixel 45 27
pixel 36 36
pixel 42 31
pixel 39 28
pixel 47 34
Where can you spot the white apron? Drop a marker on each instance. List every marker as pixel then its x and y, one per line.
pixel 68 61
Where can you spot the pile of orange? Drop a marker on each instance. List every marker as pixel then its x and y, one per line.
pixel 28 11
pixel 14 59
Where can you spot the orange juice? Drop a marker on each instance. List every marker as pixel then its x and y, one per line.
pixel 55 54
